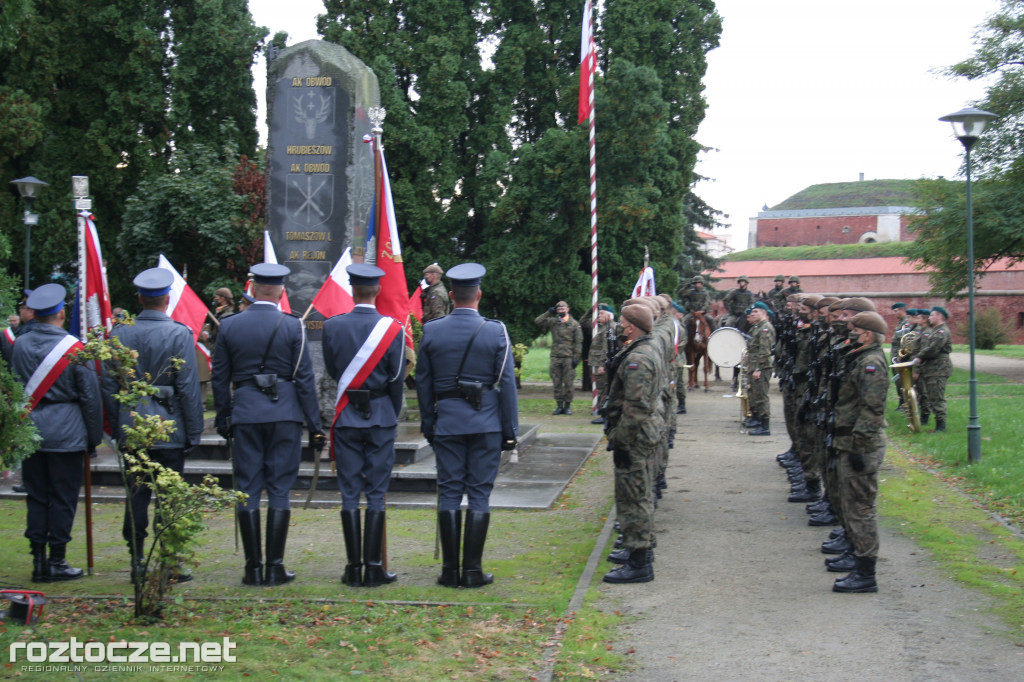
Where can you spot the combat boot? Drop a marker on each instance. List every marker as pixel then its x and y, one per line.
pixel 249 530
pixel 58 567
pixel 350 528
pixel 373 543
pixel 750 422
pixel 450 525
pixel 788 455
pixel 681 409
pixel 277 538
pixel 597 420
pixel 844 563
pixel 621 556
pixel 825 518
pixel 40 567
pixel 638 569
pixel 861 580
pixel 821 505
pixel 762 428
pixel 940 425
pixel 924 419
pixel 810 493
pixel 473 549
pixel 568 407
pixel 837 532
pixel 838 545
pixel 560 409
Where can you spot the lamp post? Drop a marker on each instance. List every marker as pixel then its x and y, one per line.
pixel 29 188
pixel 968 124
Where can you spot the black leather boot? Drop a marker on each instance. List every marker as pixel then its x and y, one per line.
pixel 861 580
pixel 940 425
pixel 821 505
pixel 844 563
pixel 277 537
pixel 40 567
pixel 811 492
pixel 638 569
pixel 762 428
pixel 373 543
pixel 353 574
pixel 837 532
pixel 560 409
pixel 750 422
pixel 249 530
pixel 58 567
pixel 568 407
pixel 621 556
pixel 836 545
pixel 473 549
pixel 787 455
pixel 825 518
pixel 450 524
pixel 924 419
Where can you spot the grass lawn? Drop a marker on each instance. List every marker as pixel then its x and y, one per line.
pixel 1003 351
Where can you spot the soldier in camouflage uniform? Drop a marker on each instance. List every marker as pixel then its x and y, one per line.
pixel 794 286
pixel 935 366
pixel 599 354
pixel 924 332
pixel 436 302
pixel 669 334
pixel 694 297
pixel 679 366
pixel 860 446
pixel 737 301
pixel 759 367
pixel 566 347
pixel 634 431
pixel 777 296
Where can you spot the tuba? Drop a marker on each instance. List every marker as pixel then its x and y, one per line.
pixel 908 344
pixel 905 372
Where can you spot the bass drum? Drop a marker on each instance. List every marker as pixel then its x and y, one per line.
pixel 726 346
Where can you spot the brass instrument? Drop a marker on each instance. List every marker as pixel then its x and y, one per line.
pixel 906 375
pixel 908 346
pixel 744 381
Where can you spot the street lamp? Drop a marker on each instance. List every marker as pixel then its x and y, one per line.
pixel 968 125
pixel 29 188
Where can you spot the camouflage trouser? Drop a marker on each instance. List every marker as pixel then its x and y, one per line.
pixel 634 506
pixel 812 442
pixel 923 404
pixel 789 415
pixel 670 429
pixel 798 428
pixel 601 380
pixel 681 378
pixel 758 395
pixel 562 376
pixel 858 496
pixel 830 478
pixel 935 387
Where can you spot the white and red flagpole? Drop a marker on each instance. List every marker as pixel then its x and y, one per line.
pixel 588 65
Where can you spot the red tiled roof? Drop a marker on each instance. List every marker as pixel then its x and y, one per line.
pixel 832 267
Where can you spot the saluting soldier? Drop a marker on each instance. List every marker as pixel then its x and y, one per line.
pixel 364 352
pixel 935 365
pixel 158 340
pixel 860 445
pixel 566 347
pixel 634 428
pixel 262 354
pixel 64 404
pixel 759 367
pixel 469 413
pixel 694 298
pixel 436 302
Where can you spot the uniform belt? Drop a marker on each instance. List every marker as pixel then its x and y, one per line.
pixel 454 393
pixel 374 392
pixel 252 382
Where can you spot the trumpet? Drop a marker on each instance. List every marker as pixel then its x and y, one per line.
pixel 744 381
pixel 906 376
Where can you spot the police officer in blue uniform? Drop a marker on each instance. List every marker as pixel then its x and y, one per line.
pixel 158 340
pixel 70 421
pixel 262 355
pixel 466 386
pixel 363 433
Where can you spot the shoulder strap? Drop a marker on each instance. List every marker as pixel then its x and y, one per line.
pixel 266 351
pixel 465 355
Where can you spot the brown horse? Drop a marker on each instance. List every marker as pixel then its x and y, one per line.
pixel 698 329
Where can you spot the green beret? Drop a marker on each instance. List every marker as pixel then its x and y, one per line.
pixel 940 309
pixel 678 307
pixel 763 306
pixel 899 304
pixel 606 308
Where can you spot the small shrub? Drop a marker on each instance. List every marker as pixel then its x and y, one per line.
pixel 990 329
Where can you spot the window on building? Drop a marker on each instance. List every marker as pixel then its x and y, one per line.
pixel 846 229
pixel 1020 320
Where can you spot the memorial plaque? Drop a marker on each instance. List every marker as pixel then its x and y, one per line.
pixel 320 180
pixel 320 173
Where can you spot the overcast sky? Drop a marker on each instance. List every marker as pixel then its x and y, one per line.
pixel 800 92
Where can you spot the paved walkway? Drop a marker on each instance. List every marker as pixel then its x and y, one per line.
pixel 1010 368
pixel 741 592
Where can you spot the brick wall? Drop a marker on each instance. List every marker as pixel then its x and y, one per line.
pixel 816 231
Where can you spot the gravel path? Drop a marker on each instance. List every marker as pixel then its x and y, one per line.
pixel 741 592
pixel 1010 368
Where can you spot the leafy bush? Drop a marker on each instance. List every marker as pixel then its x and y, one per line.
pixel 990 329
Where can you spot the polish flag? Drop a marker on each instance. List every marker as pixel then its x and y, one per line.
pixel 588 63
pixel 97 310
pixel 270 257
pixel 335 296
pixel 184 305
pixel 645 284
pixel 416 300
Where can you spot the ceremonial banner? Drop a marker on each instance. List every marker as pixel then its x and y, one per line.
pixel 588 63
pixel 184 305
pixel 270 257
pixel 95 310
pixel 645 284
pixel 335 296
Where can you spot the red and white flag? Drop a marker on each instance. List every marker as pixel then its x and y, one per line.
pixel 335 296
pixel 645 284
pixel 416 300
pixel 269 256
pixel 96 298
pixel 588 63
pixel 184 305
pixel 393 299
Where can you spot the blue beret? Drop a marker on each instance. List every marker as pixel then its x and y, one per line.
pixel 154 282
pixel 940 309
pixel 364 274
pixel 47 300
pixel 269 273
pixel 467 274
